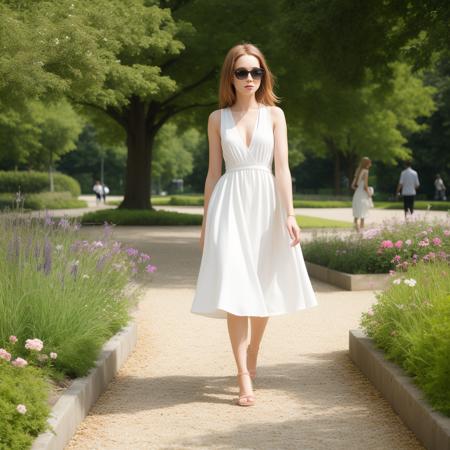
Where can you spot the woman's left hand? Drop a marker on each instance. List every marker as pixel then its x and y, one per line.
pixel 293 229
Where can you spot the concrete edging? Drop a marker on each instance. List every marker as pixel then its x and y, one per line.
pixel 431 427
pixel 73 406
pixel 350 282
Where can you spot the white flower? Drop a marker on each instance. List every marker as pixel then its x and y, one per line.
pixel 53 355
pixel 397 281
pixel 56 41
pixel 22 409
pixel 410 282
pixel 59 247
pixel 85 276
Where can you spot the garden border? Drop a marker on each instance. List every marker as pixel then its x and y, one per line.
pixel 348 281
pixel 74 404
pixel 431 427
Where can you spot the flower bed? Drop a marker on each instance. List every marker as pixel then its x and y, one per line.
pixel 61 298
pixel 411 323
pixel 392 246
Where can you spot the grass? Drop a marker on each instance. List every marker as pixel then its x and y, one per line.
pixel 197 200
pixel 140 217
pixel 318 222
pixel 411 323
pixel 43 200
pixel 161 217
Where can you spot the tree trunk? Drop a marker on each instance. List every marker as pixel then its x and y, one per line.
pixel 334 151
pixel 139 160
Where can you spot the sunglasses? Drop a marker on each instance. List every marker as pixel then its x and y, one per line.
pixel 242 74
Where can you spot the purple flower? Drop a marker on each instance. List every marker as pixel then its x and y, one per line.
pixel 47 257
pixel 150 268
pixel 64 224
pixel 132 252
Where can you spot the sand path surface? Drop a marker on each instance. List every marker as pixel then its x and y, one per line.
pixel 176 389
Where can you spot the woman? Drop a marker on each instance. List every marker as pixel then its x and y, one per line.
pixel 362 198
pixel 252 266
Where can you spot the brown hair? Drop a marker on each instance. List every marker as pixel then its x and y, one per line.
pixel 362 165
pixel 227 92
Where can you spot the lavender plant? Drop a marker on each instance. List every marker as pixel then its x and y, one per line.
pixel 72 294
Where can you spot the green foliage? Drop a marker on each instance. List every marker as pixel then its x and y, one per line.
pixel 33 182
pixel 173 153
pixel 21 386
pixel 379 250
pixel 40 133
pixel 317 222
pixel 140 217
pixel 412 325
pixel 70 293
pixel 44 200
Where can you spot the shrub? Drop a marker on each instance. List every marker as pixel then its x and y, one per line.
pixel 411 323
pixel 21 386
pixel 392 246
pixel 34 182
pixel 44 200
pixel 141 217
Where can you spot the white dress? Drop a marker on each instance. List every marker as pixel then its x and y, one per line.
pixel 361 202
pixel 248 267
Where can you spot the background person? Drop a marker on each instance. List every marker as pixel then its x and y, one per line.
pixel 98 189
pixel 362 197
pixel 407 186
pixel 439 186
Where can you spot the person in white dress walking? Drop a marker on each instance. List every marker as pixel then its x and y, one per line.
pixel 362 197
pixel 252 266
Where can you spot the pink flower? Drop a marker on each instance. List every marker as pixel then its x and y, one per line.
pixel 150 268
pixel 398 244
pixel 447 233
pixel 34 344
pixel 424 243
pixel 13 339
pixel 408 242
pixel 396 259
pixel 22 409
pixel 437 241
pixel 53 355
pixel 392 273
pixel 5 355
pixel 19 362
pixel 387 244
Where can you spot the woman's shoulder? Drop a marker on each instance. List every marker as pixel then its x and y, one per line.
pixel 276 113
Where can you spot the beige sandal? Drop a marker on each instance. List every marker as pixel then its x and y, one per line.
pixel 245 399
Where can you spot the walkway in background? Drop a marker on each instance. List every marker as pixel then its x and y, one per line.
pixel 176 389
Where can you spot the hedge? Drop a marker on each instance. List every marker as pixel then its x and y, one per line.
pixel 34 182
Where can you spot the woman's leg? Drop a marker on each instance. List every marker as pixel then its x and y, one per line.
pixel 362 224
pixel 258 326
pixel 355 223
pixel 238 331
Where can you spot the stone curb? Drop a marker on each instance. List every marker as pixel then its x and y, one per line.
pixel 431 428
pixel 73 406
pixel 350 282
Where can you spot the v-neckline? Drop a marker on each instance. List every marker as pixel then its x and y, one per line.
pixel 254 129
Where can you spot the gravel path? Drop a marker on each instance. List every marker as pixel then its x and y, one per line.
pixel 176 389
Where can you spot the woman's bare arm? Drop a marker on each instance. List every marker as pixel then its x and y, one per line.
pixel 214 165
pixel 283 177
